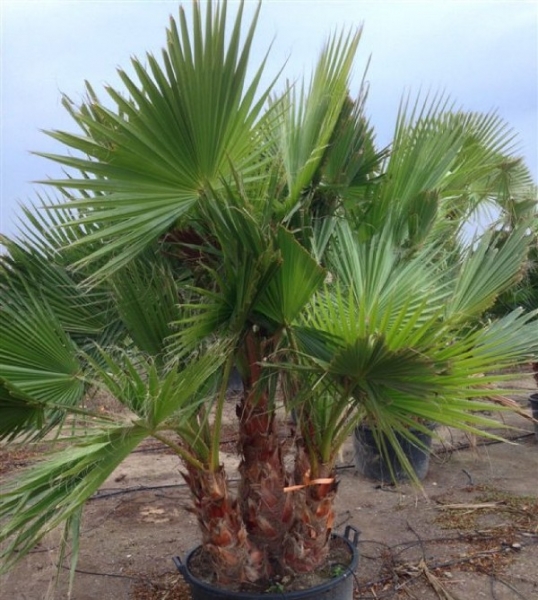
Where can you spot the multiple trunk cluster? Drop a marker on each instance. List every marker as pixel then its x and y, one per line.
pixel 281 519
pixel 279 523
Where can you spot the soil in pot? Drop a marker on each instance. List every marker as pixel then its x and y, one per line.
pixel 372 463
pixel 333 582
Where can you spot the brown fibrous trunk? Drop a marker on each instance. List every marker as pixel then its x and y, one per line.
pixel 266 508
pixel 307 543
pixel 235 559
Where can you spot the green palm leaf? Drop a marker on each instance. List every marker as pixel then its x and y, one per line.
pixel 20 413
pixel 37 355
pixel 386 292
pixel 292 285
pixel 423 151
pixel 183 125
pixel 43 497
pixel 486 272
pixel 309 116
pixel 27 272
pixel 351 160
pixel 147 299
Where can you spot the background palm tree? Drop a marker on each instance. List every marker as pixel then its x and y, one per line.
pixel 205 224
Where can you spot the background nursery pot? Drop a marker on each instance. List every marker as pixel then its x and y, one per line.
pixel 371 462
pixel 339 587
pixel 533 401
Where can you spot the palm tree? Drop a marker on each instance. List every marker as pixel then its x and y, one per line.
pixel 207 224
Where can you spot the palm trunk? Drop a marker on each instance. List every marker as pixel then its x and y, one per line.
pixel 266 507
pixel 233 556
pixel 306 547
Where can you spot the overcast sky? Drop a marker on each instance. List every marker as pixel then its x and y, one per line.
pixel 483 53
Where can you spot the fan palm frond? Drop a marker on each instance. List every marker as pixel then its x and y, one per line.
pixel 184 123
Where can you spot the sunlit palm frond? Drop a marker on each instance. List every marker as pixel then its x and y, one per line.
pixel 50 492
pixel 388 289
pixel 44 496
pixel 152 392
pixel 444 165
pixel 401 390
pixel 504 342
pixel 182 126
pixel 487 177
pixel 423 149
pixel 487 142
pixel 377 336
pixel 36 354
pixel 485 272
pixel 310 116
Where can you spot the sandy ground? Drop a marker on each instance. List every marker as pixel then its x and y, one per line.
pixel 471 534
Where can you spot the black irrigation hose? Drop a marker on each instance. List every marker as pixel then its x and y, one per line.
pixel 108 493
pixel 96 574
pixel 121 491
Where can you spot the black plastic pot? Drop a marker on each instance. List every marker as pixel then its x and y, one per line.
pixel 533 401
pixel 372 463
pixel 337 588
pixel 235 384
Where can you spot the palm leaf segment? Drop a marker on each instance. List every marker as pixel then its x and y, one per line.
pixel 262 278
pixel 54 490
pixel 38 366
pixel 445 166
pixel 185 122
pixel 378 337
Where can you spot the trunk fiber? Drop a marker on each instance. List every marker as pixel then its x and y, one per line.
pixel 224 536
